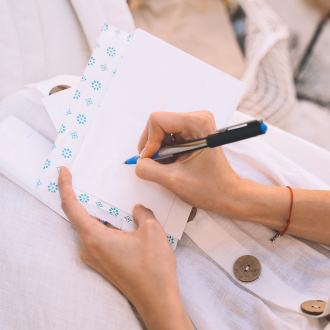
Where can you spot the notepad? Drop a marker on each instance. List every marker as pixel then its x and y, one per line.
pixel 126 79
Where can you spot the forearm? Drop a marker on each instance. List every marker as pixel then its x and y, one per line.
pixel 270 206
pixel 206 180
pixel 164 311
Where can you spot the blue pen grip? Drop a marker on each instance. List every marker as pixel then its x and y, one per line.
pixel 134 159
pixel 155 156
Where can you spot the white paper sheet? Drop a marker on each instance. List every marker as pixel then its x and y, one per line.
pixel 150 75
pixel 22 154
pixel 57 106
pixel 153 76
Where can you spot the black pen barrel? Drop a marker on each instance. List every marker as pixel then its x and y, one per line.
pixel 234 135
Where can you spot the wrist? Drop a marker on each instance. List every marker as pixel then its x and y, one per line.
pixel 259 203
pixel 242 199
pixel 232 197
pixel 164 309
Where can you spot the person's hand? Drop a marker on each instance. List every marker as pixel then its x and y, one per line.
pixel 205 179
pixel 202 178
pixel 140 264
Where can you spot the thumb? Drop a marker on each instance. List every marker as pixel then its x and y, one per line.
pixel 141 214
pixel 148 169
pixel 76 213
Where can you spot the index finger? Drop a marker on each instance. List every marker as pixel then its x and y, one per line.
pixel 76 213
pixel 188 126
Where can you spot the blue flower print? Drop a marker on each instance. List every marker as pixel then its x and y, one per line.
pixel 76 95
pixel 89 101
pixel 38 182
pixel 111 51
pixel 62 129
pixel 83 78
pixel 105 27
pixel 52 187
pixel 91 61
pixel 66 153
pixel 47 163
pixel 114 211
pixel 81 119
pixel 170 239
pixel 128 218
pixel 74 135
pixel 129 37
pixel 99 204
pixel 84 198
pixel 96 85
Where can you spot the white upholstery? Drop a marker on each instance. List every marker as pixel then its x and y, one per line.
pixel 43 38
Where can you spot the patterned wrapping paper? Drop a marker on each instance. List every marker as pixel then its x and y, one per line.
pixel 96 80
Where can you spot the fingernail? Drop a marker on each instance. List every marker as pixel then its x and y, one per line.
pixel 136 207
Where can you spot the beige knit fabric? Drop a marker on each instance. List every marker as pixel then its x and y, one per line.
pixel 200 28
pixel 203 29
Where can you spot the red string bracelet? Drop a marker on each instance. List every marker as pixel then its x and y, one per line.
pixel 287 221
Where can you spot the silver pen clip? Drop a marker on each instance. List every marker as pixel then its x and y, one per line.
pixel 222 130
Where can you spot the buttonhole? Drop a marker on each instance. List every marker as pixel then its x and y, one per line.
pixel 247 268
pixel 316 306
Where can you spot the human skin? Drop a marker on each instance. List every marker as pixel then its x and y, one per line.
pixel 205 179
pixel 141 264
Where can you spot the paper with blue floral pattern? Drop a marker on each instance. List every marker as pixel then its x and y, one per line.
pixel 109 112
pixel 87 98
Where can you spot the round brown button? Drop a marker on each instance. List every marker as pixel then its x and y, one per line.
pixel 314 307
pixel 247 268
pixel 58 89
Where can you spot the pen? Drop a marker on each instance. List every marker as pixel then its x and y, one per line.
pixel 226 135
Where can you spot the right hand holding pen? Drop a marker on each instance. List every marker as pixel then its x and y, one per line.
pixel 203 178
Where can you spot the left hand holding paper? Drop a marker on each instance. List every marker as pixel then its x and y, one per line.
pixel 141 264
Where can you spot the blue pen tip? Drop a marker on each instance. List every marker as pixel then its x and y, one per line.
pixel 263 127
pixel 132 160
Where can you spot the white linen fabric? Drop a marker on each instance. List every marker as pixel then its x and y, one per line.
pixel 35 291
pixel 44 284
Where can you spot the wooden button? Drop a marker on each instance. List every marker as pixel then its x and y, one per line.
pixel 314 307
pixel 247 268
pixel 58 89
